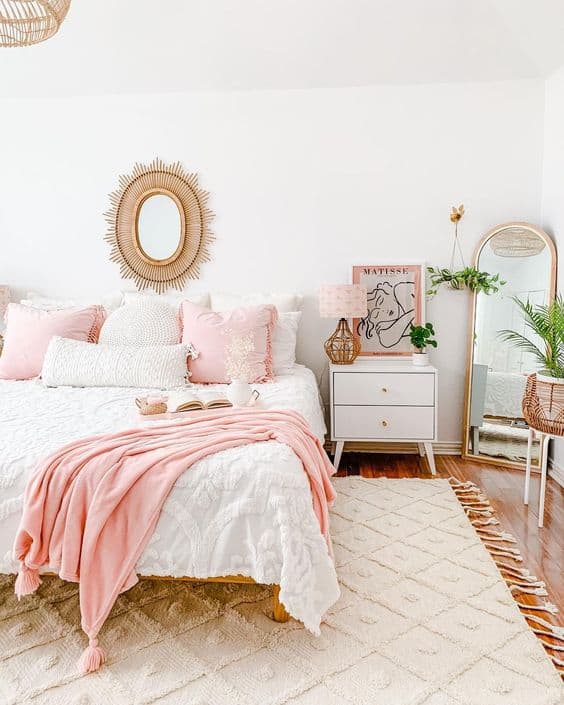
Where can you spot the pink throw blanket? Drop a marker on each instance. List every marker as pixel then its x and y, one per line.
pixel 91 507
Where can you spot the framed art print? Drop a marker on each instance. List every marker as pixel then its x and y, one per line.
pixel 396 299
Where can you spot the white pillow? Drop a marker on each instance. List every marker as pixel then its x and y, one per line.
pixel 44 303
pixel 174 300
pixel 283 302
pixel 284 337
pixel 147 322
pixel 73 363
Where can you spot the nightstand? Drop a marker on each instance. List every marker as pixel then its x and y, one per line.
pixel 391 401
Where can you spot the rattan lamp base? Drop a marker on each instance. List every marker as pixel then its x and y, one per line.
pixel 342 348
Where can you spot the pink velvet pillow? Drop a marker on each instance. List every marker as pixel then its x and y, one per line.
pixel 232 345
pixel 29 330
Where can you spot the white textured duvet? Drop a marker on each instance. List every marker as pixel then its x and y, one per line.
pixel 246 510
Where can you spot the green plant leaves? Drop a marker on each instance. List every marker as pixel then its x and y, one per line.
pixel 420 336
pixel 467 278
pixel 546 321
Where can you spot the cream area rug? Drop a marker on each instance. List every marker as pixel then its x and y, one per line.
pixel 424 619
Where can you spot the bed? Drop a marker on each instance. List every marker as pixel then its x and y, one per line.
pixel 245 512
pixel 504 394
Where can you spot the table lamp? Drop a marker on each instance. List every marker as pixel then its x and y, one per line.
pixel 342 301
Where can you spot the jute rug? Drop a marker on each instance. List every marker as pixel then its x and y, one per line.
pixel 425 618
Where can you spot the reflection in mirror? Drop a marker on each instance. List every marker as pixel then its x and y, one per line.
pixel 523 256
pixel 159 227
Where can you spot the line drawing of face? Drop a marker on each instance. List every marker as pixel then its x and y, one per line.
pixel 391 310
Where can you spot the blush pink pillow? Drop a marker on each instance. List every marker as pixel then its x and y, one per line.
pixel 232 345
pixel 29 330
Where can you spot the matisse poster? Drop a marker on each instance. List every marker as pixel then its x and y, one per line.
pixel 395 301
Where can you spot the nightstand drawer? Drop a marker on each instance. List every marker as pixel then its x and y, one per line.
pixel 385 388
pixel 384 422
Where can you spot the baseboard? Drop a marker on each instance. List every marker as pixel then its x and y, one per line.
pixel 439 448
pixel 556 472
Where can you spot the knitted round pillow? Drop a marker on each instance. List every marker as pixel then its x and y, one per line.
pixel 150 322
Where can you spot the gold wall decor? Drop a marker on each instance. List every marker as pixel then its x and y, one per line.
pixel 23 22
pixel 159 226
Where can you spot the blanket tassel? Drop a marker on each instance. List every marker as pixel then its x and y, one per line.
pixel 92 657
pixel 27 582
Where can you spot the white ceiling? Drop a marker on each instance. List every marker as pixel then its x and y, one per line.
pixel 118 46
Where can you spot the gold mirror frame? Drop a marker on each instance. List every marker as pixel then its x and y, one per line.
pixel 471 324
pixel 170 180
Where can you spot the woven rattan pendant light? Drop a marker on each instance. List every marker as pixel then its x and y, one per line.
pixel 25 22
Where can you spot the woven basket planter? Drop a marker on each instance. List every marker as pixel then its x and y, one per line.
pixel 543 406
pixel 25 22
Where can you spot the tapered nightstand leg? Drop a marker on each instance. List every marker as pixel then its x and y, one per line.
pixel 430 458
pixel 338 452
pixel 544 469
pixel 421 449
pixel 528 466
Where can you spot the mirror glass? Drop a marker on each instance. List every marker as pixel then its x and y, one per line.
pixel 495 424
pixel 159 227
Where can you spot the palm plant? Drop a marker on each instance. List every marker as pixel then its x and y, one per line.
pixel 546 321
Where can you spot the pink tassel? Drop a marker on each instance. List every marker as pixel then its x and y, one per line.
pixel 92 657
pixel 27 582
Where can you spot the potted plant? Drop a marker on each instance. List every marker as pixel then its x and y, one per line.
pixel 465 278
pixel 546 322
pixel 420 337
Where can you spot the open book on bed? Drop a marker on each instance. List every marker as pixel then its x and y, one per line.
pixel 182 401
pixel 189 401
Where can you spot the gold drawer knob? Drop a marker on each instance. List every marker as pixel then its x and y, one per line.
pixel 384 423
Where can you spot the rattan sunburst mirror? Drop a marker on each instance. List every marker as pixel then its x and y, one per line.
pixel 159 226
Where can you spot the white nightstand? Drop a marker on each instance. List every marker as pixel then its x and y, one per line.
pixel 384 400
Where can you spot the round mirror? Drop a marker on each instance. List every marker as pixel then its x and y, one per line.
pixel 159 228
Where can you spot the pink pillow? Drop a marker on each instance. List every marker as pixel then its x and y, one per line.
pixel 232 345
pixel 29 330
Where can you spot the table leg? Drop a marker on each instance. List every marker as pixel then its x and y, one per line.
pixel 544 468
pixel 421 449
pixel 338 452
pixel 528 466
pixel 430 457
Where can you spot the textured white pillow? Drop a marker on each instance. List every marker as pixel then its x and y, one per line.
pixel 284 337
pixel 174 300
pixel 146 322
pixel 283 302
pixel 72 363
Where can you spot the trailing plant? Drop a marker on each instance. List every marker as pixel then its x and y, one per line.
pixel 546 321
pixel 467 277
pixel 420 336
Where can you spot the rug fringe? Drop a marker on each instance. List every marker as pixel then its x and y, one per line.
pixel 497 535
pixel 519 580
pixel 485 522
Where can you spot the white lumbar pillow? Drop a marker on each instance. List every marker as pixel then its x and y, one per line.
pixel 283 302
pixel 284 338
pixel 73 363
pixel 145 322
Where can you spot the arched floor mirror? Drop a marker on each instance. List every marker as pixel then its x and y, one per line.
pixel 494 429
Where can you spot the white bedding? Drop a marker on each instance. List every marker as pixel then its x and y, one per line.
pixel 504 394
pixel 246 510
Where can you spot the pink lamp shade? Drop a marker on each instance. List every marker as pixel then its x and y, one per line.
pixel 342 301
pixel 4 300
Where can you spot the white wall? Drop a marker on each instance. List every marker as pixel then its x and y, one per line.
pixel 553 187
pixel 304 183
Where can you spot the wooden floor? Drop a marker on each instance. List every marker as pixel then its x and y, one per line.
pixel 542 549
